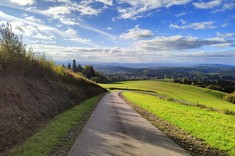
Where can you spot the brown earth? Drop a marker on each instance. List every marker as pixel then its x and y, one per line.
pixel 27 104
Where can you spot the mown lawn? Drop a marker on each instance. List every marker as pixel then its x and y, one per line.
pixel 44 141
pixel 207 97
pixel 217 129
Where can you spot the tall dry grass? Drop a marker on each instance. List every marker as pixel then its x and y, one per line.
pixel 15 58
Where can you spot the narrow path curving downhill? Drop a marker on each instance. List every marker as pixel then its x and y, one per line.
pixel 116 129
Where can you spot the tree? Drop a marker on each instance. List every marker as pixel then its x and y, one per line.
pixel 145 72
pixel 10 42
pixel 69 66
pixel 74 66
pixel 79 68
pixel 63 66
pixel 89 71
pixel 12 49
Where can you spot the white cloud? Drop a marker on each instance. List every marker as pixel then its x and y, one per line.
pixel 72 35
pixel 106 2
pixel 183 21
pixel 216 40
pixel 225 7
pixel 23 2
pixel 61 13
pixel 137 7
pixel 84 7
pixel 195 26
pixel 65 16
pixel 225 25
pixel 207 5
pixel 71 32
pixel 88 27
pixel 133 55
pixel 225 35
pixel 11 19
pixel 113 54
pixel 62 1
pixel 23 29
pixel 88 10
pixel 31 31
pixel 44 37
pixel 164 47
pixel 68 21
pixel 57 11
pixel 180 14
pixel 204 56
pixel 41 31
pixel 178 43
pixel 62 16
pixel 33 19
pixel 136 33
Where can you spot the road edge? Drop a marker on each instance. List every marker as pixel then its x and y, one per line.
pixel 191 144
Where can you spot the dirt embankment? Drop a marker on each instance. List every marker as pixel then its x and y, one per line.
pixel 27 104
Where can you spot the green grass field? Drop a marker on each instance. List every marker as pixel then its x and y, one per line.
pixel 204 96
pixel 217 129
pixel 44 141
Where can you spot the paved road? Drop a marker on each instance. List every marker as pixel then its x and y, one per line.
pixel 116 129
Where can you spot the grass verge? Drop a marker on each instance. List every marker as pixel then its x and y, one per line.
pixel 46 141
pixel 212 128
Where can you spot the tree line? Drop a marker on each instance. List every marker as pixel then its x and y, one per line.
pixel 216 78
pixel 88 71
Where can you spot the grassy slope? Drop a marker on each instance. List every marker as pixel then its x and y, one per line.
pixel 193 94
pixel 215 128
pixel 44 141
pixel 33 90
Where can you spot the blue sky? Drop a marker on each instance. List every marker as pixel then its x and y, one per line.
pixel 126 31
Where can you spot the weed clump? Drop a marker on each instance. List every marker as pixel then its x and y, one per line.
pixel 230 97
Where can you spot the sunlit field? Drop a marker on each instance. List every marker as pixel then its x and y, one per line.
pixel 204 96
pixel 214 128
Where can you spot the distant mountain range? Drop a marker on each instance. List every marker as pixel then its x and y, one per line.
pixel 143 65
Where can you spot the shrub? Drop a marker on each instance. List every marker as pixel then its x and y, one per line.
pixel 15 58
pixel 230 97
pixel 12 49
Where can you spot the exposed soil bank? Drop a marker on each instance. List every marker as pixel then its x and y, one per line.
pixel 27 104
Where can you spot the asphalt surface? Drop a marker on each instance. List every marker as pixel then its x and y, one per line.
pixel 116 129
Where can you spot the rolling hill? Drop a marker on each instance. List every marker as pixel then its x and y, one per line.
pixel 192 94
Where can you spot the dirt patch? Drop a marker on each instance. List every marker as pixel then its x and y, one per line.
pixel 193 145
pixel 28 104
